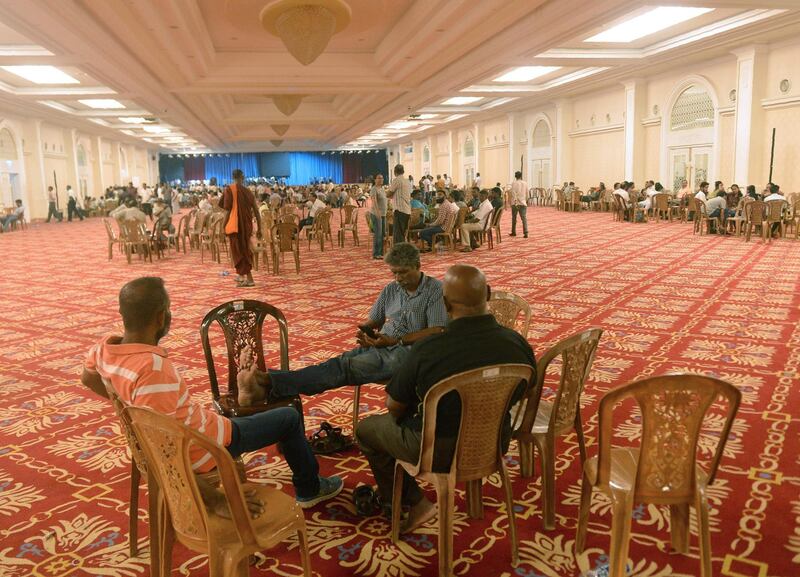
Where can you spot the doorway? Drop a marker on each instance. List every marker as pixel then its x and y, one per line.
pixel 690 163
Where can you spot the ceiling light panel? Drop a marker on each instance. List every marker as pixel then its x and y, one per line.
pixel 156 129
pixel 647 23
pixel 133 120
pixel 102 103
pixel 461 100
pixel 41 74
pixel 526 73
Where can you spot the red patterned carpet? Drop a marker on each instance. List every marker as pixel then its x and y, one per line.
pixel 668 301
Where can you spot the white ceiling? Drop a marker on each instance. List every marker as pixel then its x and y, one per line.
pixel 203 69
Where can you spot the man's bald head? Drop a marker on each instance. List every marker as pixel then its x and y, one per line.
pixel 465 291
pixel 140 302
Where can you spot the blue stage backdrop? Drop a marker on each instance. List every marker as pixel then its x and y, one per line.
pixel 297 168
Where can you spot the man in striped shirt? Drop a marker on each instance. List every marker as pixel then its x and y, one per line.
pixel 408 309
pixel 445 219
pixel 140 372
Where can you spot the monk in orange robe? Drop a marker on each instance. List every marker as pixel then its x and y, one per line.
pixel 240 203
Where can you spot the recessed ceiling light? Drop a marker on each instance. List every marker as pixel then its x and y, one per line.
pixel 42 74
pixel 526 73
pixel 648 23
pixel 499 101
pixel 102 103
pixel 99 121
pixel 453 117
pixel 460 100
pixel 133 119
pixel 156 129
pixel 402 124
pixel 57 106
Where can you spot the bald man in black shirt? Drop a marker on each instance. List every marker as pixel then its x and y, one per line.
pixel 473 339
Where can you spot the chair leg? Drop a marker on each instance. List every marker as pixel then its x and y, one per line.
pixel 579 434
pixel 167 542
pixel 133 511
pixel 445 502
pixel 512 524
pixel 547 453
pixel 620 534
pixel 356 408
pixel 583 514
pixel 475 499
pixel 679 527
pixel 397 493
pixel 703 533
pixel 154 501
pixel 302 540
pixel 526 458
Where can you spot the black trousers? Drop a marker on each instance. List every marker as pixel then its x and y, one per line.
pixel 73 208
pixel 52 211
pixel 400 226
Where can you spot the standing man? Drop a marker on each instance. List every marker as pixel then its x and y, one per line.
pixel 477 182
pixel 519 193
pixel 400 193
pixel 72 204
pixel 242 209
pixel 52 205
pixel 378 213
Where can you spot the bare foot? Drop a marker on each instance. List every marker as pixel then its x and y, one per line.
pixel 419 514
pixel 250 391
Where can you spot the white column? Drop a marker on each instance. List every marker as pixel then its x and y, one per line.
pixel 450 152
pixel 97 167
pixel 512 146
pixel 72 162
pixel 635 103
pixel 37 179
pixel 750 80
pixel 563 148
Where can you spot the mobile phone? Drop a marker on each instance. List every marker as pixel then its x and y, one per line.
pixel 368 330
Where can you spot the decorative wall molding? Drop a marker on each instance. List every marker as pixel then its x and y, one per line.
pixel 651 121
pixel 727 110
pixel 782 102
pixel 495 145
pixel 596 130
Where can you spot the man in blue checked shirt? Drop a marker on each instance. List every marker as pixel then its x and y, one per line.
pixel 408 309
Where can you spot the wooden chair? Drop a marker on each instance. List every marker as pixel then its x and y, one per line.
pixel 664 470
pixel 561 201
pixel 573 203
pixel 494 229
pixel 135 239
pixel 199 228
pixel 285 238
pixel 348 217
pixel 543 421
pixel 702 222
pixel 486 395
pixel 321 228
pixel 113 239
pixel 661 207
pixel 227 542
pixel 755 216
pixel 449 234
pixel 183 231
pixel 776 211
pixel 739 219
pixel 209 238
pixel 507 308
pixel 242 324
pixel 263 245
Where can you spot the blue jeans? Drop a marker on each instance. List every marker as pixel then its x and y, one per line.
pixel 729 212
pixel 356 367
pixel 427 234
pixel 285 427
pixel 378 226
pixel 8 221
pixel 522 211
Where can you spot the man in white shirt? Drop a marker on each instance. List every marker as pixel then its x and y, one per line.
pixel 427 184
pixel 448 182
pixel 701 194
pixel 72 204
pixel 317 205
pixel 622 192
pixel 774 193
pixel 650 191
pixel 519 206
pixel 52 205
pixel 477 182
pixel 16 216
pixel 480 216
pixel 400 194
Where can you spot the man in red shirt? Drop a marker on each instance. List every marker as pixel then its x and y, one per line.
pixel 138 370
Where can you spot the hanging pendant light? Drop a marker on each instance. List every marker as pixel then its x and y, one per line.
pixel 280 129
pixel 276 143
pixel 287 103
pixel 305 26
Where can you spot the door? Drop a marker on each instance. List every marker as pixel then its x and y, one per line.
pixel 469 175
pixel 540 173
pixel 692 164
pixel 679 161
pixel 701 161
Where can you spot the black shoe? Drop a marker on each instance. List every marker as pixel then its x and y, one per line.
pixel 513 234
pixel 525 236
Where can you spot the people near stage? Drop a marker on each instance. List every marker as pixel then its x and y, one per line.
pixel 141 373
pixel 473 339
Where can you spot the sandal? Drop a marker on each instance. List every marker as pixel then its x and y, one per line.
pixel 366 501
pixel 329 440
pixel 245 283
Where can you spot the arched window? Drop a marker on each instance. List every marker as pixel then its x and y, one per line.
pixel 8 146
pixel 541 135
pixel 469 147
pixel 693 109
